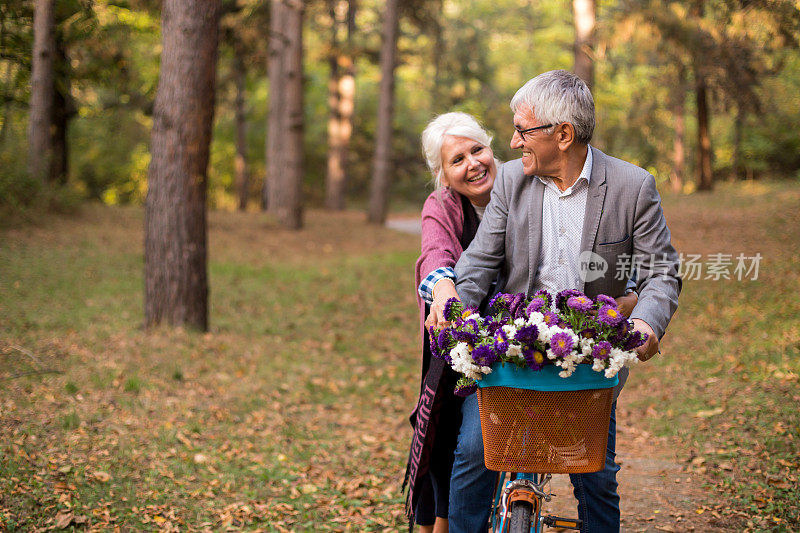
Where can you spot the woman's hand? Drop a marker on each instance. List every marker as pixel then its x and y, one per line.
pixel 627 303
pixel 442 292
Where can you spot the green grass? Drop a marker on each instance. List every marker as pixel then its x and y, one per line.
pixel 260 423
pixel 726 388
pixel 290 413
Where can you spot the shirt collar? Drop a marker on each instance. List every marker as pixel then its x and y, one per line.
pixel 586 172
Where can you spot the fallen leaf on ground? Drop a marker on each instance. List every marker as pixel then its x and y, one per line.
pixel 102 477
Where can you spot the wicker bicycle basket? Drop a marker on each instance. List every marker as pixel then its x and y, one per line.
pixel 553 431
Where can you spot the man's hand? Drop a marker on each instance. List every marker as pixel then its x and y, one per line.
pixel 443 291
pixel 650 346
pixel 627 303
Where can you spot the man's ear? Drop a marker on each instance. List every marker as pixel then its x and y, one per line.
pixel 565 135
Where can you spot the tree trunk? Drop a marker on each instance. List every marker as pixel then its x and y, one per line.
pixel 176 286
pixel 240 162
pixel 40 136
pixel 381 167
pixel 341 96
pixel 679 148
pixel 63 111
pixel 285 124
pixel 439 52
pixel 584 15
pixel 705 179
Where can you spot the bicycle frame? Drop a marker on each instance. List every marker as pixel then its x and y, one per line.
pixel 525 487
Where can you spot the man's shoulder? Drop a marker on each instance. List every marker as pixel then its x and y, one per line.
pixel 512 168
pixel 619 170
pixel 513 175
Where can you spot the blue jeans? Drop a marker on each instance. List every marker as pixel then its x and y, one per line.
pixel 472 484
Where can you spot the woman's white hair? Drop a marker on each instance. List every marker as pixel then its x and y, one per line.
pixel 559 96
pixel 456 124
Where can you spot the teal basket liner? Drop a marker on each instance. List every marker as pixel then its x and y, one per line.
pixel 546 379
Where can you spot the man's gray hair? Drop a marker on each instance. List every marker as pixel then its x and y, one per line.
pixel 559 96
pixel 456 124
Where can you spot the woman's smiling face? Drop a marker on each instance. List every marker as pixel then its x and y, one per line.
pixel 468 168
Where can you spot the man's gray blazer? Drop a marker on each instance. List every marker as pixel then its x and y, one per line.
pixel 623 217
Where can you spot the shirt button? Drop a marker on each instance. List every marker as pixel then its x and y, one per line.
pixel 562 230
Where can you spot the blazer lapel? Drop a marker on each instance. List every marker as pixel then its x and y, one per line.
pixel 534 229
pixel 594 202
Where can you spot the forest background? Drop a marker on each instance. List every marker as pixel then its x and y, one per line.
pixel 650 61
pixel 266 417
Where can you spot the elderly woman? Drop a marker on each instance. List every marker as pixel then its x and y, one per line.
pixel 458 153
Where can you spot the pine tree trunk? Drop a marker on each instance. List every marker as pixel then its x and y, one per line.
pixel 705 179
pixel 40 138
pixel 242 178
pixel 176 286
pixel 584 17
pixel 439 52
pixel 341 96
pixel 63 111
pixel 381 167
pixel 285 124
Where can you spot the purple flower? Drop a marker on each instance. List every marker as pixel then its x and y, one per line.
pixel 550 318
pixel 446 343
pixel 537 304
pixel 588 332
pixel 434 342
pixel 463 335
pixel 465 389
pixel 527 334
pixel 579 303
pixel 544 296
pixel 634 340
pixel 604 299
pixel 484 355
pixel 453 309
pixel 515 305
pixel 561 343
pixel 500 302
pixel 501 342
pixel 601 350
pixel 492 326
pixel 563 296
pixel 609 315
pixel 534 358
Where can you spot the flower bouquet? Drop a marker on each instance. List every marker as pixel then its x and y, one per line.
pixel 534 332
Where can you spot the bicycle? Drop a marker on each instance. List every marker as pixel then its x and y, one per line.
pixel 536 424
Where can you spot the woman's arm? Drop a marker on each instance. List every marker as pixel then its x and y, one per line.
pixel 442 223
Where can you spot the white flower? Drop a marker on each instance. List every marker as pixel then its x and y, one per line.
pixel 519 322
pixel 510 331
pixel 514 350
pixel 536 318
pixel 586 347
pixel 598 365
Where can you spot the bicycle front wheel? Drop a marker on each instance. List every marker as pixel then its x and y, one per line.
pixel 520 517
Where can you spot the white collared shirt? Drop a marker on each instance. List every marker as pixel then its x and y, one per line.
pixel 562 228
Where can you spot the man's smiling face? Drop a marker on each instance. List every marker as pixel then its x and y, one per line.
pixel 539 149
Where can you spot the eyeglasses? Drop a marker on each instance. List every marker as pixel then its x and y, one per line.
pixel 529 130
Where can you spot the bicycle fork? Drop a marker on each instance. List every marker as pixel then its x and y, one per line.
pixel 525 488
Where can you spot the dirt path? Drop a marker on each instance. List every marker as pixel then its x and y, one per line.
pixel 657 492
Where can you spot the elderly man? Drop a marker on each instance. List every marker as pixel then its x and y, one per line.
pixel 563 206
